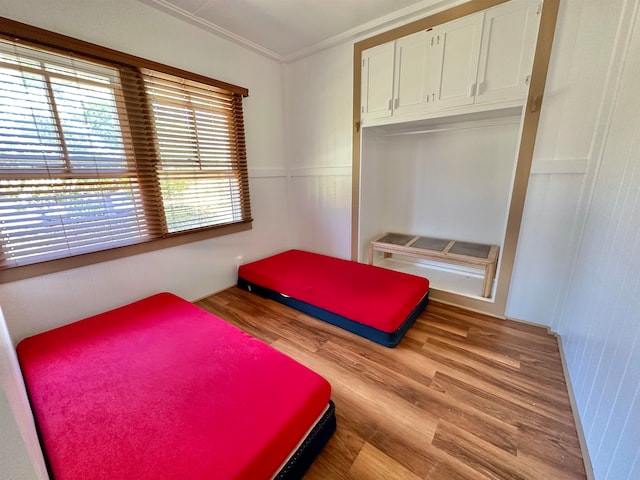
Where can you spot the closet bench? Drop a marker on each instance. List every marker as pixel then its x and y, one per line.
pixel 472 255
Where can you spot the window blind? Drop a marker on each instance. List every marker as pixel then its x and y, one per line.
pixel 95 156
pixel 202 168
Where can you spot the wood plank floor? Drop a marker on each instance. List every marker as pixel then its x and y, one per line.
pixel 463 396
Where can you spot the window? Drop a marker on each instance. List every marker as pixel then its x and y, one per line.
pixel 96 155
pixel 196 130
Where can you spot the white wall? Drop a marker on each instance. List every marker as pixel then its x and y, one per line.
pixel 599 324
pixel 192 270
pixel 572 122
pixel 372 183
pixel 417 172
pixel 20 454
pixel 319 98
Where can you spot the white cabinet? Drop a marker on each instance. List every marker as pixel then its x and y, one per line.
pixel 482 58
pixel 415 75
pixel 377 81
pixel 459 42
pixel 437 68
pixel 508 46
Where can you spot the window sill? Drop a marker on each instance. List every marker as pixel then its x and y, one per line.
pixel 58 265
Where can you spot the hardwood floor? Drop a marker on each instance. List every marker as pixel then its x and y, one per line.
pixel 463 396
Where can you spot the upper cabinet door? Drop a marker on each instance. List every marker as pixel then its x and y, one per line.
pixel 413 74
pixel 459 42
pixel 377 81
pixel 508 46
pixel 478 61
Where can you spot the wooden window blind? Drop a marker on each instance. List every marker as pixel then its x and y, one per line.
pixel 96 155
pixel 202 168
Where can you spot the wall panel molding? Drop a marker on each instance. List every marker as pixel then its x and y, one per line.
pixel 575 166
pixel 328 171
pixel 267 172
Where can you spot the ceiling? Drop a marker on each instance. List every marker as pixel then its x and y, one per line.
pixel 288 29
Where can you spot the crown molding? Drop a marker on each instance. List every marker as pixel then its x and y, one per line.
pixel 396 18
pixel 182 14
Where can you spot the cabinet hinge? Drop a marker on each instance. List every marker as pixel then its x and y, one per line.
pixel 539 9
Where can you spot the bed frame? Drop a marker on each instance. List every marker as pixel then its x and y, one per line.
pixel 373 302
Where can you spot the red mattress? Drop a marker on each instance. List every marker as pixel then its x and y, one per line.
pixel 368 295
pixel 160 389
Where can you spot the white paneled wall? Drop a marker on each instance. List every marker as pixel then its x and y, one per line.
pixel 572 125
pixel 582 45
pixel 545 248
pixel 20 454
pixel 319 213
pixel 418 171
pixel 318 99
pixel 600 327
pixel 372 183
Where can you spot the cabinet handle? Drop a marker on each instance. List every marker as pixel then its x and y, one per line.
pixel 396 103
pixel 472 89
pixel 389 106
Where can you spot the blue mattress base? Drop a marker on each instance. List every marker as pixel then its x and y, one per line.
pixel 383 338
pixel 311 447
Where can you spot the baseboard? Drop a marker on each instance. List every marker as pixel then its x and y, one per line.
pixel 576 418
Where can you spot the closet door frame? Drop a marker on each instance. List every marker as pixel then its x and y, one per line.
pixel 529 130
